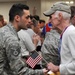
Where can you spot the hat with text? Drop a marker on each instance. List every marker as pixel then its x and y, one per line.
pixel 58 6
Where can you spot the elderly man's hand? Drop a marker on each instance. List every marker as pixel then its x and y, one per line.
pixel 52 67
pixel 45 71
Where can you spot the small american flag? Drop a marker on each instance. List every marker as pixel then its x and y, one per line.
pixel 33 59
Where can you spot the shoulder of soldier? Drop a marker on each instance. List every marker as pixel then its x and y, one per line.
pixel 4 29
pixel 54 33
pixel 6 33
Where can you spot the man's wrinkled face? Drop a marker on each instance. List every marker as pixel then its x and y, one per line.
pixel 54 21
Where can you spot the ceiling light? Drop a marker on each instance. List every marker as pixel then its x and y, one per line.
pixel 67 2
pixel 71 2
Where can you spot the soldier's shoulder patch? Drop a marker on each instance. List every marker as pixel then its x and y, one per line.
pixel 15 50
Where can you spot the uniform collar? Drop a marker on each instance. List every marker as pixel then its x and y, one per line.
pixel 12 28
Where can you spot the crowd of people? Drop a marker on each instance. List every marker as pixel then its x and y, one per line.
pixel 26 34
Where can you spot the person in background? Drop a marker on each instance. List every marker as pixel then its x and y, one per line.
pixel 36 17
pixel 11 62
pixel 60 18
pixel 47 28
pixel 50 46
pixel 1 21
pixel 34 34
pixel 34 30
pixel 41 24
pixel 26 43
pixel 5 22
pixel 72 15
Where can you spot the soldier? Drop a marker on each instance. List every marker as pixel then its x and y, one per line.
pixel 50 48
pixel 1 21
pixel 10 57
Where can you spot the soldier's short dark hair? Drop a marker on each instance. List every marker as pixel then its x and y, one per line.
pixel 17 9
pixel 72 11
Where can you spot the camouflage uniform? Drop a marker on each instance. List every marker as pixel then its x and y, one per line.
pixel 50 48
pixel 10 56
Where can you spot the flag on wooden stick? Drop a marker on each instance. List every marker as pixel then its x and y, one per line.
pixel 34 59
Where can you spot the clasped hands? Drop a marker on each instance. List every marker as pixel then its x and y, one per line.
pixel 52 67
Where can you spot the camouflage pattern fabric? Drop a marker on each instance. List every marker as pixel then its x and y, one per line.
pixel 10 56
pixel 50 48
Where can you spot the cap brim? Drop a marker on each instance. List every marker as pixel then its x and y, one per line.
pixel 48 12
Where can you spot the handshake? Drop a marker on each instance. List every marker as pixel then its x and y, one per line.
pixel 51 69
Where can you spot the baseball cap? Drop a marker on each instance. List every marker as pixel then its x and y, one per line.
pixel 58 6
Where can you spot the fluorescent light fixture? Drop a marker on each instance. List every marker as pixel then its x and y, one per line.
pixel 71 2
pixel 67 2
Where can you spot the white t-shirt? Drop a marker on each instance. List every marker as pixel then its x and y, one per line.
pixel 26 43
pixel 32 33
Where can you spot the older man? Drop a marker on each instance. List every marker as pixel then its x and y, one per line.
pixel 60 18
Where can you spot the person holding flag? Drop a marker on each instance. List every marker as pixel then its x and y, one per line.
pixel 60 18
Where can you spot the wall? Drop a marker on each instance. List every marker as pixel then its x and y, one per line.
pixel 40 6
pixel 36 4
pixel 5 6
pixel 46 4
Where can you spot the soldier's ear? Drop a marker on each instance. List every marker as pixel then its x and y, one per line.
pixel 17 18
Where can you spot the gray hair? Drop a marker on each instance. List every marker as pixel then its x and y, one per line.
pixel 66 15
